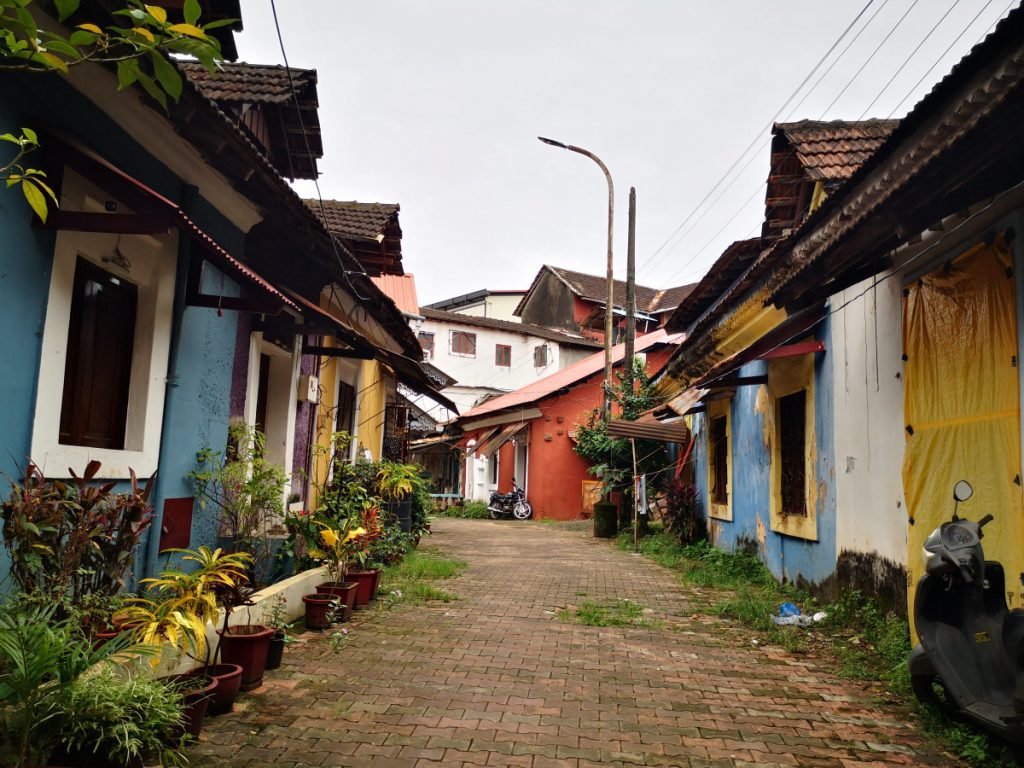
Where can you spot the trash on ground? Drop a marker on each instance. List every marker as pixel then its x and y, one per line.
pixel 790 615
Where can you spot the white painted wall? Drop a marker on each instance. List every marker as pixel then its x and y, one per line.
pixel 866 355
pixel 480 371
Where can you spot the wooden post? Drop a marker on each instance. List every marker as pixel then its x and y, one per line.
pixel 630 292
pixel 636 521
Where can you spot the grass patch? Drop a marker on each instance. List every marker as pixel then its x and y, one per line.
pixel 470 510
pixel 412 581
pixel 621 613
pixel 867 643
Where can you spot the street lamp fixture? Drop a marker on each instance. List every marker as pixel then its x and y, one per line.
pixel 610 303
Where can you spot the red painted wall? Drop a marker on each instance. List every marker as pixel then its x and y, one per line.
pixel 556 473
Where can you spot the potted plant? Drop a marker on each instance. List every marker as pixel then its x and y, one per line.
pixel 247 491
pixel 41 657
pixel 277 618
pixel 339 546
pixel 114 718
pixel 396 482
pixel 72 543
pixel 178 609
pixel 320 611
pixel 367 573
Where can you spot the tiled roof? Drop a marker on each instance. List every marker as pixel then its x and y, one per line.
pixel 250 83
pixel 401 289
pixel 568 376
pixel 832 151
pixel 723 273
pixel 595 288
pixel 366 221
pixel 523 329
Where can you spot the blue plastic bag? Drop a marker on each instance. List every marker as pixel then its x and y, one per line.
pixel 788 609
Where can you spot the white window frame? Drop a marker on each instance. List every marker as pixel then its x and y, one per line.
pixel 282 397
pixel 153 267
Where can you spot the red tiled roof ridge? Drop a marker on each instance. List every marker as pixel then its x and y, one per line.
pixel 594 288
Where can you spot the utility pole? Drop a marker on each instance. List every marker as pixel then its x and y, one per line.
pixel 630 293
pixel 609 309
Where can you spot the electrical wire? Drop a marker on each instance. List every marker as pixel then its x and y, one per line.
pixel 907 60
pixel 309 154
pixel 756 139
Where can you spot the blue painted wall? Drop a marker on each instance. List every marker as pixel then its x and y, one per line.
pixel 198 392
pixel 789 558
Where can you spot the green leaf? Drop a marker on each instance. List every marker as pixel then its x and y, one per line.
pixel 35 198
pixel 65 8
pixel 63 48
pixel 29 134
pixel 127 73
pixel 81 38
pixel 218 24
pixel 150 86
pixel 167 75
pixel 192 11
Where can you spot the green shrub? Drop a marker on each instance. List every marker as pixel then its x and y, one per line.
pixel 475 510
pixel 108 715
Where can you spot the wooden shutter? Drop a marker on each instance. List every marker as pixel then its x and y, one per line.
pixel 97 374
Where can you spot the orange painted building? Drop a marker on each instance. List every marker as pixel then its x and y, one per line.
pixel 530 430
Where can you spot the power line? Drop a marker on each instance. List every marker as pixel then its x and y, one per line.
pixel 761 185
pixel 757 137
pixel 765 141
pixel 907 60
pixel 944 54
pixel 312 161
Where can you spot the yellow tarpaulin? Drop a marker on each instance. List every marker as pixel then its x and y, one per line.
pixel 962 405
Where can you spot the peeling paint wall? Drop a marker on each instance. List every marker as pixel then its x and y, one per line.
pixel 866 359
pixel 788 557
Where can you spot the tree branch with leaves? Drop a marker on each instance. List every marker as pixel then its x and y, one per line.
pixel 138 47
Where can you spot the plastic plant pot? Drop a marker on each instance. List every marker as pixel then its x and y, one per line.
pixel 345 592
pixel 319 609
pixel 365 581
pixel 229 681
pixel 246 645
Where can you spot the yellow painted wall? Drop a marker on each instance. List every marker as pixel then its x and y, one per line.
pixel 370 431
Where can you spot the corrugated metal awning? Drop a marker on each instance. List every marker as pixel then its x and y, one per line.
pixel 508 432
pixel 673 431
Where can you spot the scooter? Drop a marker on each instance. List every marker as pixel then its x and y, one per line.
pixel 971 651
pixel 512 504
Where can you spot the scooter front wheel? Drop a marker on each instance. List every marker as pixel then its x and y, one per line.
pixel 929 689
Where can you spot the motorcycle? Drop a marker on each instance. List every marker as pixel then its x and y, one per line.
pixel 971 651
pixel 512 504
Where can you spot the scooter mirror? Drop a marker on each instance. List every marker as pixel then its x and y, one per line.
pixel 962 491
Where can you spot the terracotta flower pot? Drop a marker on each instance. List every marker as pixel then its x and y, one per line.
pixel 229 681
pixel 196 693
pixel 275 651
pixel 376 582
pixel 346 594
pixel 246 645
pixel 319 609
pixel 365 581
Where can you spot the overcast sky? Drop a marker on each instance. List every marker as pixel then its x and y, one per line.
pixel 437 104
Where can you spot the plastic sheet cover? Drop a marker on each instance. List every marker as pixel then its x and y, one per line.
pixel 962 406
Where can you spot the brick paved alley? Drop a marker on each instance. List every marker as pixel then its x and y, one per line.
pixel 497 679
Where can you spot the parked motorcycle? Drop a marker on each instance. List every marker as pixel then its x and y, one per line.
pixel 971 651
pixel 512 504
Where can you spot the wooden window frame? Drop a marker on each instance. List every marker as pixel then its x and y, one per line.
pixel 462 343
pixel 428 343
pixel 503 355
pixel 788 376
pixel 541 350
pixel 80 397
pixel 719 409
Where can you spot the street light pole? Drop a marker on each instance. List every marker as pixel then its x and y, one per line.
pixel 610 304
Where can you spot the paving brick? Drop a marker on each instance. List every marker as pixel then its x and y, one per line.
pixel 495 679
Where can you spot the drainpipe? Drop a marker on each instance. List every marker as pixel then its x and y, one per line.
pixel 188 198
